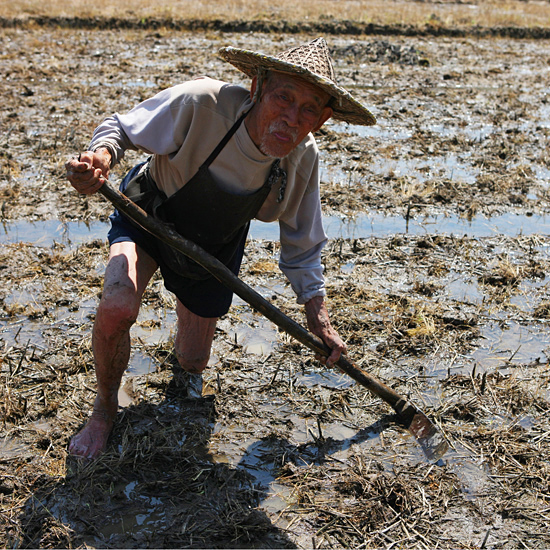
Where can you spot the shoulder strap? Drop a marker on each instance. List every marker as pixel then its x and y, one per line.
pixel 224 140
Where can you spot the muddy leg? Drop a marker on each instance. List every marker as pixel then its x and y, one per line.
pixel 193 339
pixel 127 274
pixel 193 343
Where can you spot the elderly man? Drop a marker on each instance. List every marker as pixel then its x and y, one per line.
pixel 220 156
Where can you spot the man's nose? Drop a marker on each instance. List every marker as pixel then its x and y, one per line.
pixel 292 115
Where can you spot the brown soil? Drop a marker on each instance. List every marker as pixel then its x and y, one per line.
pixel 279 452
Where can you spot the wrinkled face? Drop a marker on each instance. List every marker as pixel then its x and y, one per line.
pixel 288 110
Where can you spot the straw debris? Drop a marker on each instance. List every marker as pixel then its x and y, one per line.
pixel 281 452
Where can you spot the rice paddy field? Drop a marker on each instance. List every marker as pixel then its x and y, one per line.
pixel 437 270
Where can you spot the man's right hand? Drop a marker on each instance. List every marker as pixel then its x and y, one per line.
pixel 88 172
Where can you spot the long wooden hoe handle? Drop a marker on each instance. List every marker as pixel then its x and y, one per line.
pixel 431 440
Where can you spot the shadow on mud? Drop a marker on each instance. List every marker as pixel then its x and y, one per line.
pixel 157 485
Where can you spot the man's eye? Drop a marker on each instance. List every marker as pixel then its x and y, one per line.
pixel 311 112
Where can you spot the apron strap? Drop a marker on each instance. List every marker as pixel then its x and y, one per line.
pixel 224 141
pixel 276 172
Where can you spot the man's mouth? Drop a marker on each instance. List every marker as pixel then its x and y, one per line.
pixel 278 140
pixel 282 137
pixel 281 132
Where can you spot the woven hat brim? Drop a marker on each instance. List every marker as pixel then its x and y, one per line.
pixel 345 107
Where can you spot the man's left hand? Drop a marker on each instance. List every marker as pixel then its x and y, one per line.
pixel 319 323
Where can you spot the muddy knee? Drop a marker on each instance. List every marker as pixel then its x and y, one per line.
pixel 118 309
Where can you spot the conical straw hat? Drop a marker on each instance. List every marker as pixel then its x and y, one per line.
pixel 313 63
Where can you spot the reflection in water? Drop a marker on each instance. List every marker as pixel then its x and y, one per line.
pixel 499 344
pixel 256 335
pixel 473 473
pixel 140 363
pixel 149 519
pixel 304 445
pixel 463 290
pixel 258 338
pixel 363 225
pixel 46 233
pixel 380 131
pixel 503 342
pixel 379 225
pixel 449 166
pixel 326 378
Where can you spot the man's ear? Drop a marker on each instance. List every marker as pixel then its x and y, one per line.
pixel 326 113
pixel 253 86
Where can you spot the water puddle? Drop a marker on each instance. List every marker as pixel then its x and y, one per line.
pixel 379 225
pixel 390 130
pixel 363 225
pixel 46 233
pixel 333 379
pixel 20 328
pixel 507 342
pixel 501 343
pixel 384 130
pixel 12 448
pixel 474 474
pixel 141 364
pixel 255 334
pixel 463 290
pixel 127 84
pixel 445 167
pixel 149 519
pixel 261 457
pixel 42 425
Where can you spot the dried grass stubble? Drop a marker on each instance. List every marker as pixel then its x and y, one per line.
pixel 364 504
pixel 403 321
pixel 503 421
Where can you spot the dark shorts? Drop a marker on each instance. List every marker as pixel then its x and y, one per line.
pixel 206 298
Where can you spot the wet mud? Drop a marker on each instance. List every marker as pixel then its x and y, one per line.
pixel 280 452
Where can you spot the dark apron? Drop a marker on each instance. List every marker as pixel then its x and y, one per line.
pixel 203 212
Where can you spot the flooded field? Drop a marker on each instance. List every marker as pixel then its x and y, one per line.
pixel 437 273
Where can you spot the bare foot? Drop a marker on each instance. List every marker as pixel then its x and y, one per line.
pixel 90 442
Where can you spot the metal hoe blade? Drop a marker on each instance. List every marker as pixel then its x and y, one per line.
pixel 426 433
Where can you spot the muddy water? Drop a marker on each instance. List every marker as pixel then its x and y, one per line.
pixel 501 341
pixel 259 339
pixel 360 226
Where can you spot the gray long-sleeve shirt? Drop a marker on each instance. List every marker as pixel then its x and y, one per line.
pixel 182 125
